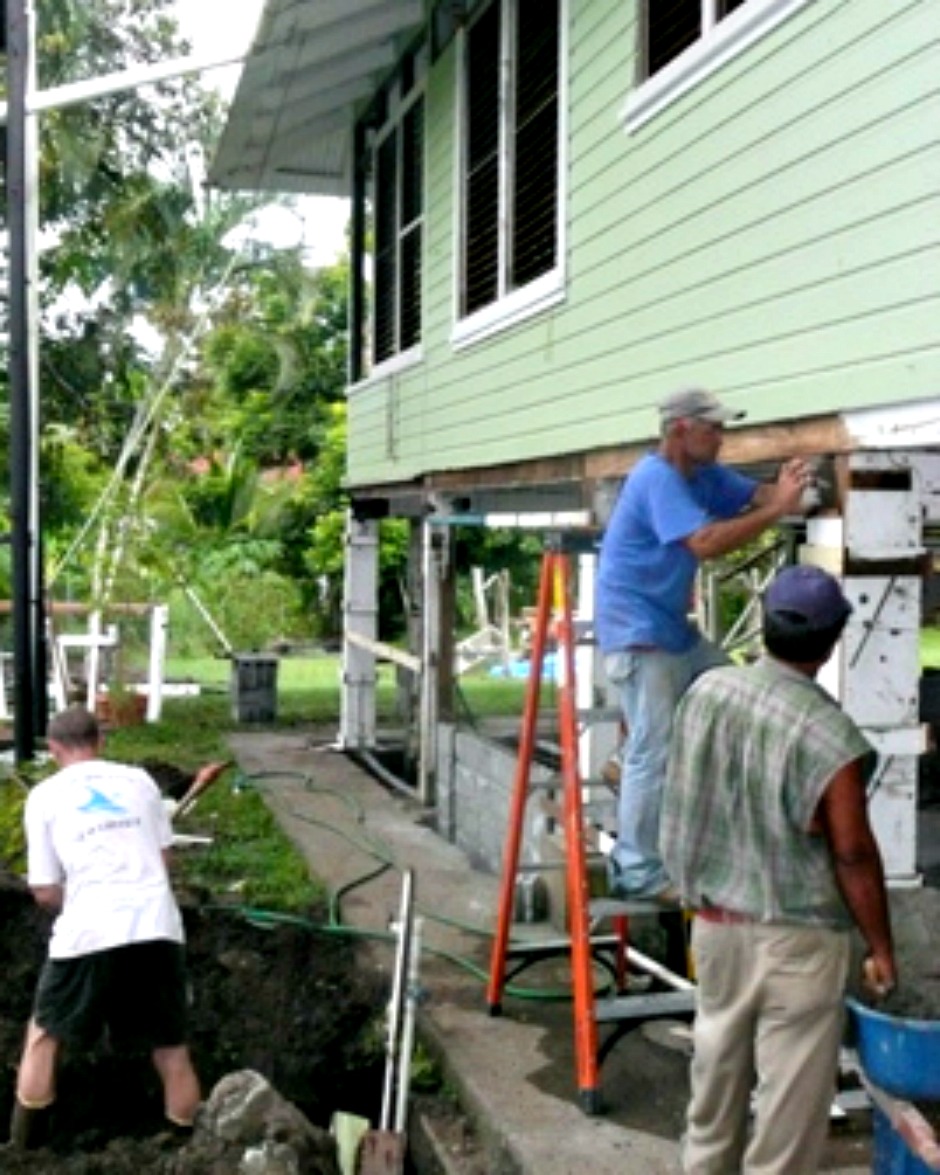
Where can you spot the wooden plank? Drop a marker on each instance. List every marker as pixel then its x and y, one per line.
pixel 382 1152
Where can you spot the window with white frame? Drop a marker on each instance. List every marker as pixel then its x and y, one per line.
pixel 682 42
pixel 673 25
pixel 397 159
pixel 511 110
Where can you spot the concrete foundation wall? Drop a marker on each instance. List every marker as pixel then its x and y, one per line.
pixel 474 790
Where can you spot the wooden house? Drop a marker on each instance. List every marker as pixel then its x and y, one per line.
pixel 563 210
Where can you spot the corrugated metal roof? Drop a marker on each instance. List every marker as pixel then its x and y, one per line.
pixel 313 67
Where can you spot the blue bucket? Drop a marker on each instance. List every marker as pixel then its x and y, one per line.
pixel 891 1155
pixel 900 1056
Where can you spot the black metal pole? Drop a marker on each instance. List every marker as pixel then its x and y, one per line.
pixel 357 342
pixel 22 424
pixel 40 642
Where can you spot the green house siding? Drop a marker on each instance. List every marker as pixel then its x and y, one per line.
pixel 774 233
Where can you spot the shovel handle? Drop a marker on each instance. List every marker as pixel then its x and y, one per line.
pixel 205 777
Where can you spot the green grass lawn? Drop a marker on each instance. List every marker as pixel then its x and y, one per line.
pixel 308 688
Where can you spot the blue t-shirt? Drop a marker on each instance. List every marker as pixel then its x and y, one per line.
pixel 646 572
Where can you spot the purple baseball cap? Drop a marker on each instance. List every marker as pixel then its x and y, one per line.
pixel 807 595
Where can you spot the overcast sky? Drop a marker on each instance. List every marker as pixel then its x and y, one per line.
pixel 222 25
pixel 227 25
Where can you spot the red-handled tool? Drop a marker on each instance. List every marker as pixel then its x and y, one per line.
pixel 205 778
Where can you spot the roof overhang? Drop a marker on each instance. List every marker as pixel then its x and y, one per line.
pixel 313 68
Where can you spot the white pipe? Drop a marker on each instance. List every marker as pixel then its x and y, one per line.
pixel 126 79
pixel 408 1027
pixel 399 979
pixel 645 963
pixel 159 623
pixel 373 764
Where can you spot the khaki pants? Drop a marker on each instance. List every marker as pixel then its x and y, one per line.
pixel 770 1006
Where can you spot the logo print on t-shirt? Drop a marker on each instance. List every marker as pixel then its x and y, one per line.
pixel 100 803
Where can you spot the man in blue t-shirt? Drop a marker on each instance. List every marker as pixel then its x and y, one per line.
pixel 677 507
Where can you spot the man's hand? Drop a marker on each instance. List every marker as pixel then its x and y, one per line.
pixel 878 975
pixel 786 493
pixel 49 897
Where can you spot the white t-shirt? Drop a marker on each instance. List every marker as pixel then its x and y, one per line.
pixel 98 829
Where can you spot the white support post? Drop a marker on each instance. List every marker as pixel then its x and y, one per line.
pixel 59 670
pixel 159 626
pixel 431 574
pixel 93 660
pixel 875 671
pixel 360 616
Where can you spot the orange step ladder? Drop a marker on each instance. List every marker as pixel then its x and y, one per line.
pixel 554 612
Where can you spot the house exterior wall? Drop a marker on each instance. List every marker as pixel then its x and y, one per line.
pixel 774 234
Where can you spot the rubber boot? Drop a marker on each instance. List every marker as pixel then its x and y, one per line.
pixel 29 1126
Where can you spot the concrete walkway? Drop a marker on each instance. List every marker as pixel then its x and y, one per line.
pixel 514 1074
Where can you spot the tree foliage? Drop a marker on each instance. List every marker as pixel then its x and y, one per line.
pixel 192 376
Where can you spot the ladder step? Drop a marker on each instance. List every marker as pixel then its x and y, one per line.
pixel 560 866
pixel 541 866
pixel 592 784
pixel 600 714
pixel 600 908
pixel 643 1007
pixel 596 811
pixel 553 946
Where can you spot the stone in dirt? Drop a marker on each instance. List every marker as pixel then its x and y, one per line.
pixel 246 1126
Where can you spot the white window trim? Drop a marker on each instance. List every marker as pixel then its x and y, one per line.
pixel 394 365
pixel 548 290
pixel 515 307
pixel 719 45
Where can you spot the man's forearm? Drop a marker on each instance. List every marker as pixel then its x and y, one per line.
pixel 718 538
pixel 861 882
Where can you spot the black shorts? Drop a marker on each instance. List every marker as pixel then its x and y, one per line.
pixel 138 992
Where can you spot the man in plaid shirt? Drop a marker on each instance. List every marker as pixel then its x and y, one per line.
pixel 765 834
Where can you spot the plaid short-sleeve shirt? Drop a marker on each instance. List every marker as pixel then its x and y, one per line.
pixel 753 751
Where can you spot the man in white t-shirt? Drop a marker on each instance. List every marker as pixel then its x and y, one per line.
pixel 98 838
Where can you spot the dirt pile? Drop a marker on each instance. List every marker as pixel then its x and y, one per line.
pixel 280 999
pixel 915 921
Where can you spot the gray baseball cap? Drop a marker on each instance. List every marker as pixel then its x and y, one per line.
pixel 697 404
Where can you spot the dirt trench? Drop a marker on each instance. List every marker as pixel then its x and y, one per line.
pixel 285 1001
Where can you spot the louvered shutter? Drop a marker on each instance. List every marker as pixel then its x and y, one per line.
pixel 535 154
pixel 412 208
pixel 481 229
pixel 386 247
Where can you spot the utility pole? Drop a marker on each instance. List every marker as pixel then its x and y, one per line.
pixel 28 609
